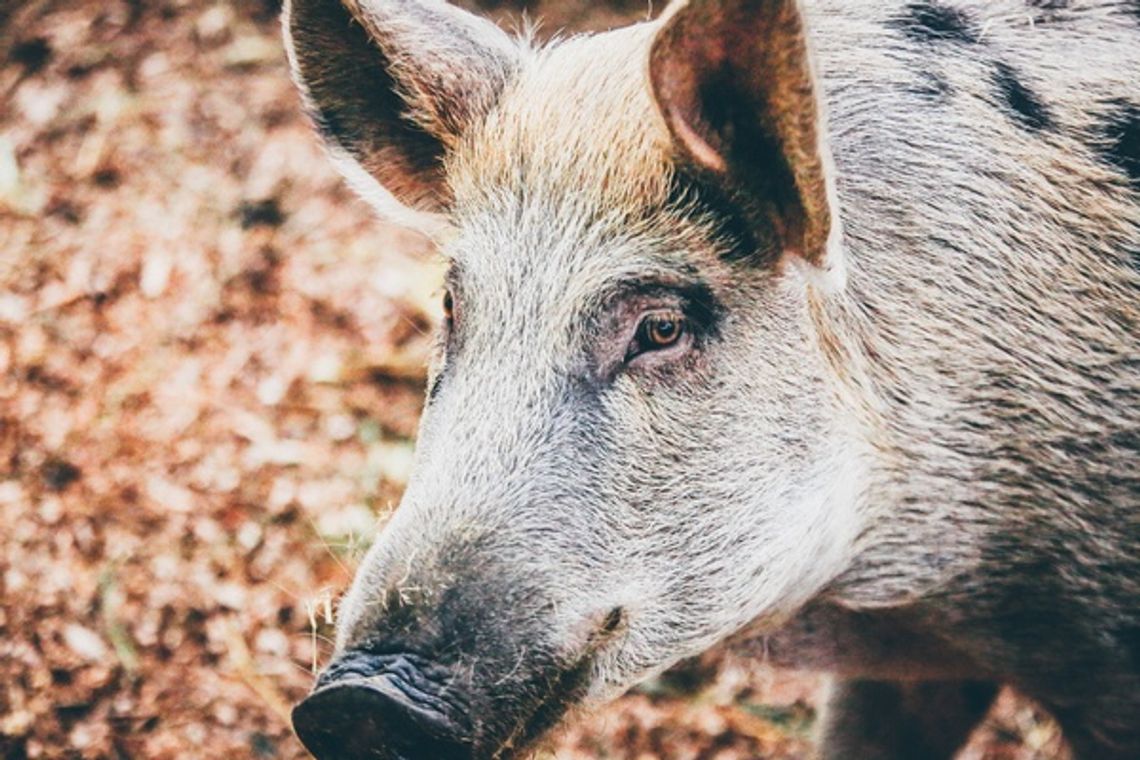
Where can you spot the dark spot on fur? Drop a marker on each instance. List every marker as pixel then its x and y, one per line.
pixel 1024 105
pixel 931 22
pixel 1047 11
pixel 930 86
pixel 1122 140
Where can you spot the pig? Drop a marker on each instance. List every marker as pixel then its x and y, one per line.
pixel 806 329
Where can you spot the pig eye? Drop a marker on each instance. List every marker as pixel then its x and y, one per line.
pixel 448 307
pixel 657 332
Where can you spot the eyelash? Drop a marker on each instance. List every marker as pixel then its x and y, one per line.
pixel 657 331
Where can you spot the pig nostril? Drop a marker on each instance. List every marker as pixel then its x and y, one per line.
pixel 359 720
pixel 384 708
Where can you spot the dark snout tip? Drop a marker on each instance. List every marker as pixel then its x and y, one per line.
pixel 371 718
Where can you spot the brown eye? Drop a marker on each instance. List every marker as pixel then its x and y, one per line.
pixel 663 331
pixel 657 332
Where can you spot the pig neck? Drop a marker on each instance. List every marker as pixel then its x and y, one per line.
pixel 985 345
pixel 995 396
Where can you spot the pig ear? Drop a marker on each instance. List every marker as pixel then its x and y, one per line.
pixel 733 80
pixel 392 84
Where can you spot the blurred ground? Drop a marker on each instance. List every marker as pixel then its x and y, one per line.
pixel 210 375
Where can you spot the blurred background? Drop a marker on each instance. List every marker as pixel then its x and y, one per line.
pixel 211 368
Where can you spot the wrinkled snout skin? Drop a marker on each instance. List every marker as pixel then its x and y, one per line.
pixel 805 328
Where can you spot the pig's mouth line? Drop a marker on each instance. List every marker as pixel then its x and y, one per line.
pixel 563 691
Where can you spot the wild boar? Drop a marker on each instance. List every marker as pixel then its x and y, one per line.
pixel 809 328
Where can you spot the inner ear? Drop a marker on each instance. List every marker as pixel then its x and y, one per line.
pixel 392 84
pixel 751 156
pixel 733 81
pixel 354 100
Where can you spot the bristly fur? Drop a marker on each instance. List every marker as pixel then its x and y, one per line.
pixel 925 482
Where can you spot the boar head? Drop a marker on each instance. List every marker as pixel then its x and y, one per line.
pixel 631 449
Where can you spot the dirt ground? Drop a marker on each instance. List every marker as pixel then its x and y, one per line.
pixel 210 374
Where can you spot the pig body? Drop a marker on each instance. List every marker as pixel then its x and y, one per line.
pixel 812 329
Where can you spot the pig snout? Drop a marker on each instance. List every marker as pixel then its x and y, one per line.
pixel 406 706
pixel 394 707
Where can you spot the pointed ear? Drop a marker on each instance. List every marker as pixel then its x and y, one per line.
pixel 391 85
pixel 733 80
